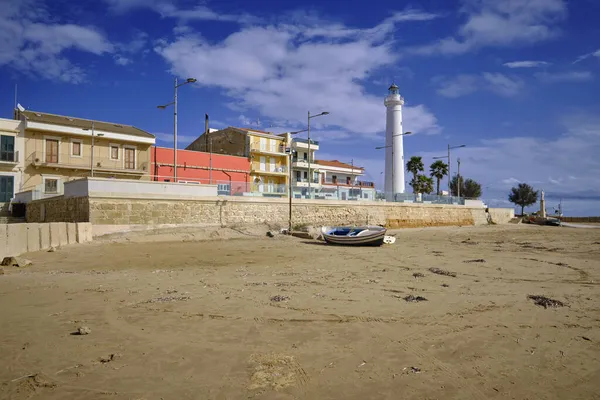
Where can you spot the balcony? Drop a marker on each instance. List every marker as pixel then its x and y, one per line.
pixel 101 164
pixel 279 170
pixel 269 188
pixel 304 183
pixel 302 163
pixel 303 143
pixel 357 184
pixel 278 150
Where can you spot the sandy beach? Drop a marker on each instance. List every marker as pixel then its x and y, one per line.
pixel 184 315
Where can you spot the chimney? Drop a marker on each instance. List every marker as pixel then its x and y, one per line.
pixel 206 131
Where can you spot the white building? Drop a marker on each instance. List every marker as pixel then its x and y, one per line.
pixel 300 159
pixel 340 181
pixel 394 154
pixel 11 158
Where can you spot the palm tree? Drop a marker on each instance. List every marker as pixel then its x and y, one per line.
pixel 422 184
pixel 414 166
pixel 438 170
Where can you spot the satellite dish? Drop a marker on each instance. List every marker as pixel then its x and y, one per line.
pixel 20 107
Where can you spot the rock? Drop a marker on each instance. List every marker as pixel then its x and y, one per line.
pixel 83 330
pixel 52 249
pixel 15 262
pixel 270 234
pixel 109 358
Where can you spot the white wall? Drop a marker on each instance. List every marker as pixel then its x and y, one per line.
pixel 101 187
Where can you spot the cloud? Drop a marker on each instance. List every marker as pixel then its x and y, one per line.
pixel 166 139
pixel 465 84
pixel 501 23
pixel 31 44
pixel 526 64
pixel 573 76
pixel 588 55
pixel 282 71
pixel 120 60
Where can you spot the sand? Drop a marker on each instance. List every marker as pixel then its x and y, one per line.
pixel 288 318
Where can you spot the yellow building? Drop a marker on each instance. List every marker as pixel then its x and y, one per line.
pixel 58 149
pixel 269 161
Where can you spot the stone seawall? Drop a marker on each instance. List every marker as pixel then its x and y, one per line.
pixel 231 211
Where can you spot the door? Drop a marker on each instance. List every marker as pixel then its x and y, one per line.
pixel 273 144
pixel 261 185
pixel 129 158
pixel 51 150
pixel 263 163
pixel 263 143
pixel 6 188
pixel 344 196
pixel 273 166
pixel 271 186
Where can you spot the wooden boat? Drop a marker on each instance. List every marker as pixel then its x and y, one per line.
pixel 354 236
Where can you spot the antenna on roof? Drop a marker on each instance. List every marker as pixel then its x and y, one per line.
pixel 15 96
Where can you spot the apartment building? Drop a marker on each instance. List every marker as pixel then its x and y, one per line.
pixel 269 160
pixel 11 165
pixel 60 148
pixel 340 181
pixel 301 158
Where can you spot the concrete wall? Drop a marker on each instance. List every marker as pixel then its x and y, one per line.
pixel 17 239
pixel 133 188
pixel 501 215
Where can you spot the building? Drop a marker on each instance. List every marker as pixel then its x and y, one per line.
pixel 59 148
pixel 266 152
pixel 339 181
pixel 230 173
pixel 11 158
pixel 394 147
pixel 300 160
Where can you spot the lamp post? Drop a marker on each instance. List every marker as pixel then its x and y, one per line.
pixel 174 104
pixel 458 179
pixel 309 155
pixel 448 158
pixel 92 157
pixel 392 146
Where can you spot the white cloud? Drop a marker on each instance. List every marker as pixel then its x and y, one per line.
pixel 282 71
pixel 465 84
pixel 501 23
pixel 573 76
pixel 526 64
pixel 120 60
pixel 588 55
pixel 31 44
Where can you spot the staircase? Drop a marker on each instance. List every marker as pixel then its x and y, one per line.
pixel 6 217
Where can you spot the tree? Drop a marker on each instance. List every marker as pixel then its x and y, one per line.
pixel 438 170
pixel 422 184
pixel 523 195
pixel 469 188
pixel 414 166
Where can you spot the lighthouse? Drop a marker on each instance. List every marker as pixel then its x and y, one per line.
pixel 394 154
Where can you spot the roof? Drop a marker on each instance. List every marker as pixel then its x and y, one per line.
pixel 337 164
pixel 35 116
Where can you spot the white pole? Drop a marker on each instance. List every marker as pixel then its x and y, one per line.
pixel 175 135
pixel 92 159
pixel 309 175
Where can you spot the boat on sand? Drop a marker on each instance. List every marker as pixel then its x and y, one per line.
pixel 354 236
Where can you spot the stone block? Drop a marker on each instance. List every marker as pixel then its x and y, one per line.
pixel 33 237
pixel 71 232
pixel 17 239
pixel 62 234
pixel 58 234
pixel 84 232
pixel 44 236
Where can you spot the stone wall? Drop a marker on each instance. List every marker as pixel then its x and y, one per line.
pixel 501 215
pixel 59 209
pixel 232 211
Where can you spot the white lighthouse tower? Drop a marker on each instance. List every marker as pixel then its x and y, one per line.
pixel 394 154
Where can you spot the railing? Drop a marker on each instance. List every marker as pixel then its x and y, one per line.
pixel 268 149
pixel 267 188
pixel 278 168
pixel 306 141
pixel 66 160
pixel 9 156
pixel 428 198
pixel 305 180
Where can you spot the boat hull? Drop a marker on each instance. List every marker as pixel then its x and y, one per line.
pixel 370 238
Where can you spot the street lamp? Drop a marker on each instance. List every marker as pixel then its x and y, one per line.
pixel 174 104
pixel 290 181
pixel 392 146
pixel 448 157
pixel 309 155
pixel 92 158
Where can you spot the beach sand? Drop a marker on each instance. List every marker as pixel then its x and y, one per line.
pixel 288 318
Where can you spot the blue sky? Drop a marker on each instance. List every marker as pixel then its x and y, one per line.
pixel 515 80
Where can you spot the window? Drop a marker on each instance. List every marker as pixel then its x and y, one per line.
pixel 114 152
pixel 50 185
pixel 51 150
pixel 305 156
pixel 129 158
pixel 334 179
pixel 298 176
pixel 223 189
pixel 7 148
pixel 6 188
pixel 76 148
pixel 348 180
pixel 305 174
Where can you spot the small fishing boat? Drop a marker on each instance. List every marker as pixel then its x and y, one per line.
pixel 354 236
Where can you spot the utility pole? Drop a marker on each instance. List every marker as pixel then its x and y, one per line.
pixel 458 183
pixel 92 158
pixel 210 164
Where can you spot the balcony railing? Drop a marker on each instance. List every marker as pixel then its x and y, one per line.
pixel 305 180
pixel 276 188
pixel 279 149
pixel 346 183
pixel 278 170
pixel 68 161
pixel 9 157
pixel 306 141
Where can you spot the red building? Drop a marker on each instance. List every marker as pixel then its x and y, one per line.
pixel 230 173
